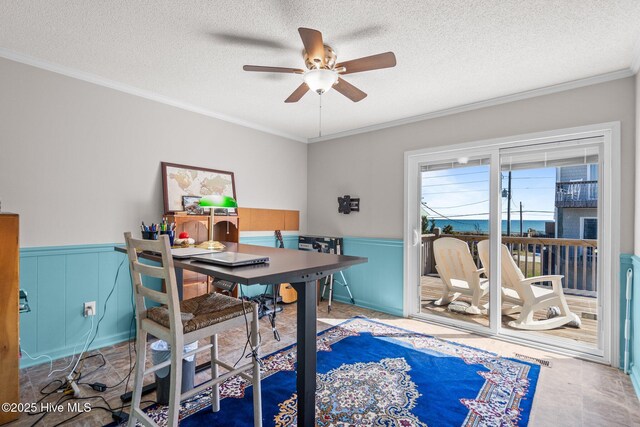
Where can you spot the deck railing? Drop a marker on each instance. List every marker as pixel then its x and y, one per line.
pixel 575 259
pixel 577 194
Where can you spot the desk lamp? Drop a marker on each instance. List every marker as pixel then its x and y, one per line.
pixel 217 201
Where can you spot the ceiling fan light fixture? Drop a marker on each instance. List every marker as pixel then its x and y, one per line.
pixel 320 80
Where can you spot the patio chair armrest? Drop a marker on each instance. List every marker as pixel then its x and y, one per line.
pixel 478 272
pixel 555 279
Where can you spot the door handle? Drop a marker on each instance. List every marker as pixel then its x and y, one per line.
pixel 416 237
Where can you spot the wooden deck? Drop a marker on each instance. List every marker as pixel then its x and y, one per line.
pixel 584 307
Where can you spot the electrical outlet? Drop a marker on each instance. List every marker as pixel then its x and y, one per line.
pixel 90 309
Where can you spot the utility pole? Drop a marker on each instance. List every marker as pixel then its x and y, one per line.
pixel 509 206
pixel 521 230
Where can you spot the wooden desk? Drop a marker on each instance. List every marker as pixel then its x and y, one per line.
pixel 301 269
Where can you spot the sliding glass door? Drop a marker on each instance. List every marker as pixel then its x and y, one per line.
pixel 510 239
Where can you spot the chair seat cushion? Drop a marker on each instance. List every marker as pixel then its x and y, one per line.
pixel 202 311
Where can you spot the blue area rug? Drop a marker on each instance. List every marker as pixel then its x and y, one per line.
pixel 370 373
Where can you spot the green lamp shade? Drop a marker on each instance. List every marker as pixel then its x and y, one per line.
pixel 218 201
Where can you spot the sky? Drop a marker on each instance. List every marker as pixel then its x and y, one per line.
pixel 463 193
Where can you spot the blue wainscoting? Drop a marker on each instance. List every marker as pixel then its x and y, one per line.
pixel 633 262
pixel 58 281
pixel 378 284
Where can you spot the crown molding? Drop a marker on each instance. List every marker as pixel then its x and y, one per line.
pixel 131 90
pixel 153 96
pixel 547 90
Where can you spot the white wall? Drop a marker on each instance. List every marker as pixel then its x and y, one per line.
pixel 370 165
pixel 81 163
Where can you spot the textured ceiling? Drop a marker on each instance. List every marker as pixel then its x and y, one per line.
pixel 449 52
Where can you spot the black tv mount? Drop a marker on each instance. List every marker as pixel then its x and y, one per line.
pixel 347 204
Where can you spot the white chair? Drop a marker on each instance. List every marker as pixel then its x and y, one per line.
pixel 179 323
pixel 458 272
pixel 525 295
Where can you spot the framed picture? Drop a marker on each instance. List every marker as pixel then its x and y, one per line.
pixel 191 205
pixel 193 181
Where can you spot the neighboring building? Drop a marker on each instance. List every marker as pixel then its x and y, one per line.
pixel 577 202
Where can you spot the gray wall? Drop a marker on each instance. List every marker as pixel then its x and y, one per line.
pixel 370 165
pixel 81 163
pixel 571 221
pixel 569 173
pixel 637 175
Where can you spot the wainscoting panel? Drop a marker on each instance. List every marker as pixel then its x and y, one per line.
pixel 633 262
pixel 378 283
pixel 58 281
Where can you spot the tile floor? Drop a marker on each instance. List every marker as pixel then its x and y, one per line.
pixel 571 392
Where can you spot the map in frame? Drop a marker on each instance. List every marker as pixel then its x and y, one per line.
pixel 183 180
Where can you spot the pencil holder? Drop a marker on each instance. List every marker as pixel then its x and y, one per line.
pixel 171 234
pixel 150 235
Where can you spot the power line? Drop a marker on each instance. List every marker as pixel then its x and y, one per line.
pixel 534 177
pixel 438 213
pixel 531 188
pixel 456 192
pixel 484 172
pixel 486 213
pixel 456 183
pixel 476 213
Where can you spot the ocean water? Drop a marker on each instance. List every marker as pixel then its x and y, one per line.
pixel 471 225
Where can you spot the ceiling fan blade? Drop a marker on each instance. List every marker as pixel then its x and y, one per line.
pixel 298 93
pixel 368 63
pixel 313 44
pixel 349 90
pixel 272 69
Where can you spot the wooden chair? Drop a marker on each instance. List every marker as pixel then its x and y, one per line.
pixel 459 273
pixel 525 296
pixel 180 323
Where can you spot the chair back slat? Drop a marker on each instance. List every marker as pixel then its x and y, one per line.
pixel 147 245
pixel 483 253
pixel 454 259
pixel 159 297
pixel 511 275
pixel 150 270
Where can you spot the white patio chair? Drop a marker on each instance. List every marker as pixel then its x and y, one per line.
pixel 525 295
pixel 459 274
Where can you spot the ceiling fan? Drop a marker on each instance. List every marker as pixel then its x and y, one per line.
pixel 324 72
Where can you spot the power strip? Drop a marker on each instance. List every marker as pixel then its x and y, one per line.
pixel 224 285
pixel 120 417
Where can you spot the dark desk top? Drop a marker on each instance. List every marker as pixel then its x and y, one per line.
pixel 285 265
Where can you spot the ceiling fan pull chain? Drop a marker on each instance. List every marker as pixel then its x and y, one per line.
pixel 320 118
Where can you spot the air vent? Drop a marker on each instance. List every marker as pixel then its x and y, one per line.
pixel 541 362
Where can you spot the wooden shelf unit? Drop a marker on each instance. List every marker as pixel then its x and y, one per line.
pixel 226 229
pixel 9 320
